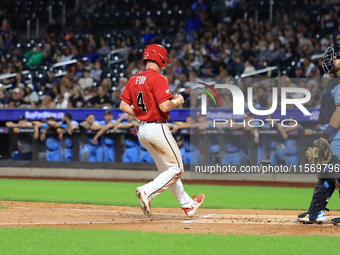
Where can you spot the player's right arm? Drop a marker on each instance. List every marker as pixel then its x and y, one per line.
pixel 125 107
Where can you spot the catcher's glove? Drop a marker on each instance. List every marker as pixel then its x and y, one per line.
pixel 321 153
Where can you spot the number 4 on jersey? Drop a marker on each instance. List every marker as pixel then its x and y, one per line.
pixel 140 102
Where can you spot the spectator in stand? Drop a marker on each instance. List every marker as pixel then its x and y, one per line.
pixel 67 54
pixel 47 103
pixel 7 41
pixel 5 27
pixel 247 53
pixel 57 55
pixel 308 65
pixel 87 94
pixel 102 99
pixel 93 94
pixel 78 26
pixel 54 92
pixel 136 30
pixel 278 53
pixel 62 103
pixel 104 48
pixel 298 72
pixel 77 99
pixel 75 52
pixel 192 23
pixel 107 84
pixel 34 56
pixel 80 68
pixel 92 55
pixel 121 84
pixel 81 46
pixel 86 81
pixel 64 92
pixel 46 60
pixel 260 100
pixel 149 36
pixel 115 97
pixel 3 99
pixel 16 99
pixel 97 71
pixel 329 22
pixel 31 94
pixel 49 81
pixel 134 54
pixel 54 28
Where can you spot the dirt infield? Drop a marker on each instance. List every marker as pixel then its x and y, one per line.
pixel 167 220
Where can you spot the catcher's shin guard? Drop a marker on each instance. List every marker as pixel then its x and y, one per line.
pixel 322 192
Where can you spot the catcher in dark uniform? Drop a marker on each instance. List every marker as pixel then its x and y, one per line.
pixel 326 149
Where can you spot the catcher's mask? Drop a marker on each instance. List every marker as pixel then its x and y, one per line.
pixel 156 53
pixel 332 53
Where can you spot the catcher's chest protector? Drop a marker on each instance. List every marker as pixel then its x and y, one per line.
pixel 327 102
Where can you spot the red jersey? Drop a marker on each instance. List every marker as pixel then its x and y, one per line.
pixel 145 91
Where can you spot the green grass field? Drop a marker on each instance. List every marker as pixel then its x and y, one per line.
pixel 80 241
pixel 73 241
pixel 123 194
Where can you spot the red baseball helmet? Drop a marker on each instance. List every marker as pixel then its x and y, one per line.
pixel 156 53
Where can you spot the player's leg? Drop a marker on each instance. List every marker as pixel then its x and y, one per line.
pixel 92 153
pixel 158 140
pixel 49 155
pixel 237 158
pixel 322 192
pixel 99 153
pixel 259 153
pixel 194 156
pixel 226 159
pixel 274 160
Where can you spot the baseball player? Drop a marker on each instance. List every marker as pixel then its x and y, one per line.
pixel 68 126
pixel 24 145
pixel 257 139
pixel 277 149
pixel 108 141
pixel 52 141
pixel 291 143
pixel 147 96
pixel 190 152
pixel 329 119
pixel 233 146
pixel 95 150
pixel 131 143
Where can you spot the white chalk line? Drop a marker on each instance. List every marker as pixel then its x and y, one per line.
pixel 94 210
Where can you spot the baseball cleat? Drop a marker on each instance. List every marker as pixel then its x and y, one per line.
pixel 336 221
pixel 197 203
pixel 144 201
pixel 304 217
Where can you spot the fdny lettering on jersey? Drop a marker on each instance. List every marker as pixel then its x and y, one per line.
pixel 140 79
